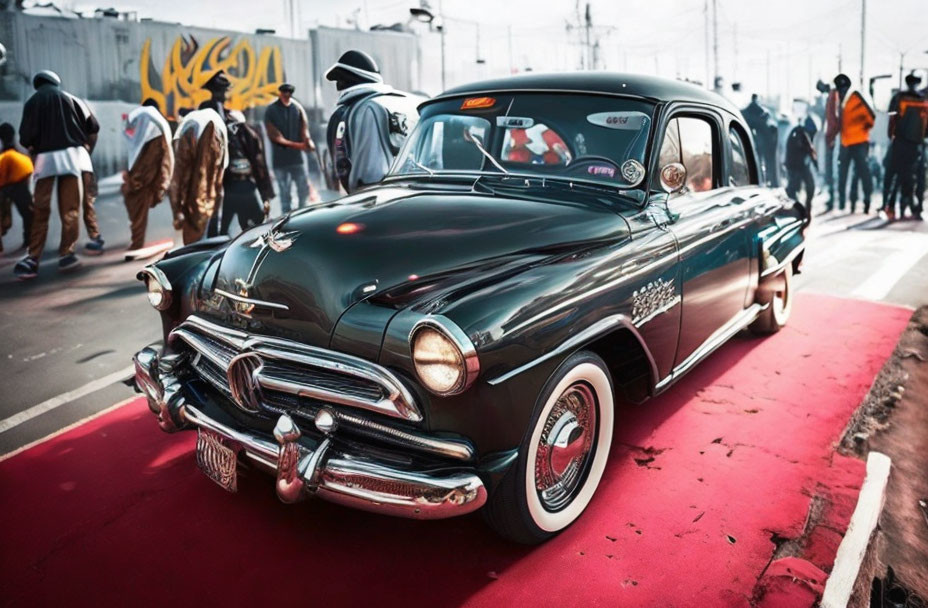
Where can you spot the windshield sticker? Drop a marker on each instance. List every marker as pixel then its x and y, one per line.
pixel 633 171
pixel 514 122
pixel 601 171
pixel 625 121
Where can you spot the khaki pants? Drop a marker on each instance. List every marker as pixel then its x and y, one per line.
pixel 69 208
pixel 137 205
pixel 88 198
pixel 192 233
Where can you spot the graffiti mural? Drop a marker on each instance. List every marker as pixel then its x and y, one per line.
pixel 254 76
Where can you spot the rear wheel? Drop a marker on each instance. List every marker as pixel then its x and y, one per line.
pixel 779 300
pixel 562 457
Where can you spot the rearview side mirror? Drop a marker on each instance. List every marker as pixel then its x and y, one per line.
pixel 673 177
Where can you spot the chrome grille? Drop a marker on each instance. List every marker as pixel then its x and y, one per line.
pixel 296 373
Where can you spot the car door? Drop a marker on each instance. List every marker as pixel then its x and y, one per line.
pixel 708 221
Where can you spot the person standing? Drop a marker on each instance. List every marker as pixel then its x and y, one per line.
pixel 799 155
pixel 832 129
pixel 765 134
pixel 200 157
pixel 151 165
pixel 908 126
pixel 94 246
pixel 856 120
pixel 57 131
pixel 370 122
pixel 245 178
pixel 15 175
pixel 288 129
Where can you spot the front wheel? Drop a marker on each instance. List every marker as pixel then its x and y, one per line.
pixel 562 457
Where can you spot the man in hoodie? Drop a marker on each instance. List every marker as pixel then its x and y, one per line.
pixel 370 122
pixel 58 130
pixel 856 120
pixel 908 126
pixel 151 164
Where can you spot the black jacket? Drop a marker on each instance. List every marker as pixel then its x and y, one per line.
pixel 54 120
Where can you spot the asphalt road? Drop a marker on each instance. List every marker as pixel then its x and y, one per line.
pixel 66 340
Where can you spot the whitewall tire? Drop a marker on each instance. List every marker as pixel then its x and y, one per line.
pixel 562 457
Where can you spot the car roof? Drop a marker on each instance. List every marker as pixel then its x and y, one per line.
pixel 608 83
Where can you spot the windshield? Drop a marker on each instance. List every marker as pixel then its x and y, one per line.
pixel 582 137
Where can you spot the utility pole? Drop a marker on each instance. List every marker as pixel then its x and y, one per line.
pixel 734 67
pixel 715 45
pixel 705 10
pixel 588 18
pixel 863 36
pixel 768 73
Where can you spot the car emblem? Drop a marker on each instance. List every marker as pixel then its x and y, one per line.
pixel 275 239
pixel 243 381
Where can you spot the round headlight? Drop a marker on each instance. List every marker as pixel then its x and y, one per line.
pixel 155 294
pixel 159 288
pixel 439 362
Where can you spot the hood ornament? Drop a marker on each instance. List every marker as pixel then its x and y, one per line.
pixel 276 239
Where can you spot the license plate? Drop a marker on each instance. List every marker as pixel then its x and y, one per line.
pixel 217 461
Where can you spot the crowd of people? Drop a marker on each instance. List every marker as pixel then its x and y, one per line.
pixel 849 117
pixel 212 165
pixel 213 168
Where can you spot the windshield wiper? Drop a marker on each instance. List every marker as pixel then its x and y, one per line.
pixel 423 167
pixel 468 136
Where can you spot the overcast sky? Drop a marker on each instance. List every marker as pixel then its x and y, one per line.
pixel 782 47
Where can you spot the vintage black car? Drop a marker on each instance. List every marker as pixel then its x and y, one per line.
pixel 461 336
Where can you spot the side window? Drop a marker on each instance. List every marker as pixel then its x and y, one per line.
pixel 740 158
pixel 670 148
pixel 696 151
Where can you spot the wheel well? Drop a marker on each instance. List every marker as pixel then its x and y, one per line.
pixel 628 363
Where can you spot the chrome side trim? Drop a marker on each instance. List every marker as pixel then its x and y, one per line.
pixel 256 302
pixel 600 328
pixel 721 335
pixel 782 264
pixel 450 330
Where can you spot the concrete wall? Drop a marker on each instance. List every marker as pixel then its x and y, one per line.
pixel 115 64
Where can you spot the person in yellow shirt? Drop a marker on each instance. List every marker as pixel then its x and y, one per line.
pixel 15 175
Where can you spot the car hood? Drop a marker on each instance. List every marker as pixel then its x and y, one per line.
pixel 320 261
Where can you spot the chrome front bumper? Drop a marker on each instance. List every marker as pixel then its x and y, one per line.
pixel 354 480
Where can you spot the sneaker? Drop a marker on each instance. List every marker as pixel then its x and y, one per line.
pixel 94 246
pixel 68 262
pixel 27 268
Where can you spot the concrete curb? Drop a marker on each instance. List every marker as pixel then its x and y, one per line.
pixel 854 546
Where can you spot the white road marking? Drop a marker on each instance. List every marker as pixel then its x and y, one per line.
pixel 854 545
pixel 73 425
pixel 64 398
pixel 894 267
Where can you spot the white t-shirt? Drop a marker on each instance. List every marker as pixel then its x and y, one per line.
pixel 70 161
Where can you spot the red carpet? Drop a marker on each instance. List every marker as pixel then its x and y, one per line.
pixel 701 480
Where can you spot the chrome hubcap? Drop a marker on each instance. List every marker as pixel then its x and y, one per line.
pixel 564 447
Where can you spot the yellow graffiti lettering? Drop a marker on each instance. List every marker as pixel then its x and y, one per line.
pixel 187 66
